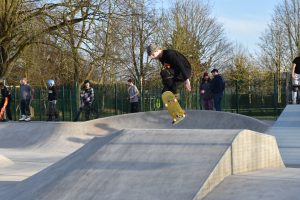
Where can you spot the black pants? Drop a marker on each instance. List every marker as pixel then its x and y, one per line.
pixel 25 110
pixel 7 109
pixel 134 107
pixel 86 108
pixel 170 83
pixel 52 111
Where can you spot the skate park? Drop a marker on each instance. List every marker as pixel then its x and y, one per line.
pixel 210 155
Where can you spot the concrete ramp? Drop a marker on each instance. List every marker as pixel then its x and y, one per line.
pixel 150 164
pixel 287 132
pixel 195 120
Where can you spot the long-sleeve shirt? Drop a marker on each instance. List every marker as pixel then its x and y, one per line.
pixel 181 66
pixel 87 96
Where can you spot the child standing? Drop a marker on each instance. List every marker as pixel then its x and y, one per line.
pixel 52 100
pixel 26 96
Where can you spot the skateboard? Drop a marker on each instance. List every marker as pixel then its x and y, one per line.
pixel 172 105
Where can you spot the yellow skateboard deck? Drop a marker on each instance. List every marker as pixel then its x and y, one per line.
pixel 172 105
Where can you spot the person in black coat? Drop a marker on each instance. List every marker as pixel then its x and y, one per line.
pixel 217 86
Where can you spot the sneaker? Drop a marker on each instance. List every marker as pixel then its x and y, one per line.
pixel 23 117
pixel 27 119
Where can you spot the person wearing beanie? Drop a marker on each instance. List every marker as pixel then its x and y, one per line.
pixel 5 102
pixel 86 100
pixel 217 88
pixel 205 93
pixel 176 69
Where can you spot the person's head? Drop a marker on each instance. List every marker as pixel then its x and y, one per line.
pixel 154 51
pixel 215 72
pixel 51 82
pixel 86 84
pixel 205 76
pixel 130 82
pixel 2 83
pixel 23 81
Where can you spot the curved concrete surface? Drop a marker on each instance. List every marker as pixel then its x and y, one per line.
pixel 195 120
pixel 149 160
pixel 287 132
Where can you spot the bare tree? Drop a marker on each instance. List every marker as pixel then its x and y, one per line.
pixel 23 22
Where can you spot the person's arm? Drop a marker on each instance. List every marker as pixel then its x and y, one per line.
pixel 293 70
pixel 3 108
pixel 181 65
pixel 92 96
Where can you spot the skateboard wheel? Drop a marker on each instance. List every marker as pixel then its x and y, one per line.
pixel 175 100
pixel 166 105
pixel 183 115
pixel 174 120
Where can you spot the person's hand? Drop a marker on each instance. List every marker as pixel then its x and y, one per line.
pixel 188 85
pixel 202 91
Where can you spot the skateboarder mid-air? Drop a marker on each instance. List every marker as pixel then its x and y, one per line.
pixel 176 69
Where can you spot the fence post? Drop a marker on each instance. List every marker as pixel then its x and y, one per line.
pixel 15 103
pixel 40 103
pixel 116 101
pixel 63 103
pixel 275 97
pixel 237 95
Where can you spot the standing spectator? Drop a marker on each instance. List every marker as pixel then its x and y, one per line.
pixel 217 88
pixel 133 96
pixel 52 100
pixel 5 102
pixel 86 100
pixel 295 79
pixel 26 96
pixel 205 92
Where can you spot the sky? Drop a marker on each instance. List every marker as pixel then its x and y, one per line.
pixel 244 21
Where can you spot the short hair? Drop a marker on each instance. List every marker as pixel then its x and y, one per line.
pixel 214 70
pixel 151 48
pixel 130 80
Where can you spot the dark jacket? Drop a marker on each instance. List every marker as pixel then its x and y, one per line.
pixel 207 88
pixel 178 63
pixel 52 95
pixel 4 93
pixel 217 85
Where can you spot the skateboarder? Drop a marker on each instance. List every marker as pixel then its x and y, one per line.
pixel 5 102
pixel 176 69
